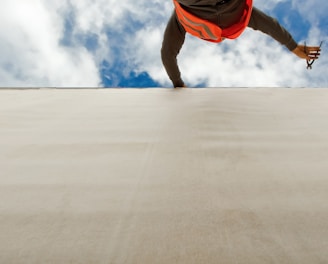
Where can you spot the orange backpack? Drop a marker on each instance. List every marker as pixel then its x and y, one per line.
pixel 209 31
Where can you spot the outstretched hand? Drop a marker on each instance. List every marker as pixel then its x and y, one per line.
pixel 308 53
pixel 183 86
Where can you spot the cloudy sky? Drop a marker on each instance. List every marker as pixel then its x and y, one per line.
pixel 111 43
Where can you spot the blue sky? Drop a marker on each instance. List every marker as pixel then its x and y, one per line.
pixel 110 43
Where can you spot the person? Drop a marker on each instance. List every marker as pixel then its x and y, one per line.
pixel 215 20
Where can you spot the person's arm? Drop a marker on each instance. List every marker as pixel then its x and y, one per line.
pixel 271 27
pixel 174 38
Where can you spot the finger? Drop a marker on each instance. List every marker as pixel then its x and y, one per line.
pixel 314 53
pixel 312 58
pixel 312 49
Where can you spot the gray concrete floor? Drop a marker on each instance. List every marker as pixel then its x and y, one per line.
pixel 164 176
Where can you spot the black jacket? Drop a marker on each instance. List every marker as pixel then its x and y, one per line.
pixel 222 13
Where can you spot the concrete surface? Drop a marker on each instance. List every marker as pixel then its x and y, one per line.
pixel 164 176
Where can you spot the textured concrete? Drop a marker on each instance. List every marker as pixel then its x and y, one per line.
pixel 164 176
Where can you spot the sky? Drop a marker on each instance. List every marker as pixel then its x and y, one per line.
pixel 111 43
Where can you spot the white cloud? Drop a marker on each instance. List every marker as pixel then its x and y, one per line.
pixel 313 11
pixel 31 52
